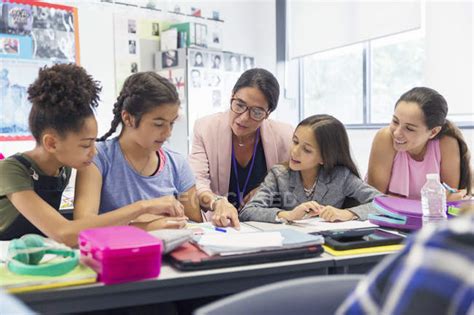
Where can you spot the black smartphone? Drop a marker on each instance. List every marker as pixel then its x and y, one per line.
pixel 360 238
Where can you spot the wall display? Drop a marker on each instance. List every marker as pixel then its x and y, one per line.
pixel 177 77
pixel 32 35
pixel 248 63
pixel 135 39
pixel 211 78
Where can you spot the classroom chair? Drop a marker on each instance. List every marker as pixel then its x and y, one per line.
pixel 311 295
pixel 9 304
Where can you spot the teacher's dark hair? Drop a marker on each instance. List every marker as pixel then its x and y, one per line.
pixel 263 80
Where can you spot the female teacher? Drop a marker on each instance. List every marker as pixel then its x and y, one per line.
pixel 233 150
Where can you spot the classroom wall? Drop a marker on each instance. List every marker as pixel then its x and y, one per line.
pixel 249 27
pixel 449 52
pixel 449 67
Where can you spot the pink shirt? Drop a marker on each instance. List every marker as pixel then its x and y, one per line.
pixel 409 176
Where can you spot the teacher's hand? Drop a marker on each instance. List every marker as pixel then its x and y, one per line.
pixel 225 213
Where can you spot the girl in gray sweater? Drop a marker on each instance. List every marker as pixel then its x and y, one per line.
pixel 316 181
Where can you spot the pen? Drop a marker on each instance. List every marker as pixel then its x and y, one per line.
pixel 220 229
pixel 449 188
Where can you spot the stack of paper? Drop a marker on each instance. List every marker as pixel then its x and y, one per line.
pixel 209 228
pixel 231 244
pixel 239 243
pixel 172 238
pixel 319 225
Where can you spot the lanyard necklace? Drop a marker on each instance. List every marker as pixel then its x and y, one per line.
pixel 240 193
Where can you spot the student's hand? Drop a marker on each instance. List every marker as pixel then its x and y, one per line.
pixel 167 205
pixel 155 222
pixel 306 209
pixel 167 223
pixel 225 214
pixel 459 195
pixel 332 214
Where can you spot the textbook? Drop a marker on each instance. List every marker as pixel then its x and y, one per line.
pixel 15 283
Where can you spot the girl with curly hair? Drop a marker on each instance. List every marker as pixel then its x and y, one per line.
pixel 62 122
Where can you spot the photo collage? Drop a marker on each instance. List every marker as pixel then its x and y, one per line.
pixel 32 34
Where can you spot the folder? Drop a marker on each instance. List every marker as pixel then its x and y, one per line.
pixel 366 250
pixel 15 283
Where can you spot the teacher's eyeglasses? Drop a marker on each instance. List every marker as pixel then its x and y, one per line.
pixel 239 107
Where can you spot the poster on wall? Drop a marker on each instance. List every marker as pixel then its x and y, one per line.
pixel 32 35
pixel 176 77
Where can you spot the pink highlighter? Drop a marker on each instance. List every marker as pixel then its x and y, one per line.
pixel 121 253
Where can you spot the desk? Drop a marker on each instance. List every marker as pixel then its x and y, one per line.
pixel 173 285
pixel 356 264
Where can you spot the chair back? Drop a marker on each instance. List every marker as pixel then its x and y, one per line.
pixel 310 295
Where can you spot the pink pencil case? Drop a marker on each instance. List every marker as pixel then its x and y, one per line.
pixel 402 213
pixel 121 253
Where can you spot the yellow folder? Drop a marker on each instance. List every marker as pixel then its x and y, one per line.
pixel 366 250
pixel 15 283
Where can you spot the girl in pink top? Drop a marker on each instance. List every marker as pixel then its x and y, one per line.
pixel 418 141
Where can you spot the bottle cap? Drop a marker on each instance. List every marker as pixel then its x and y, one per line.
pixel 432 176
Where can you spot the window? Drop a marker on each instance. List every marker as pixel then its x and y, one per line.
pixel 359 84
pixel 396 66
pixel 333 84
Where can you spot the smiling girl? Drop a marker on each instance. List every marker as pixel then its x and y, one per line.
pixel 420 140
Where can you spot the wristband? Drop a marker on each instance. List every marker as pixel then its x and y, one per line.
pixel 213 201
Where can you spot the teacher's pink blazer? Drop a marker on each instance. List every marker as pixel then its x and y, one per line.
pixel 211 151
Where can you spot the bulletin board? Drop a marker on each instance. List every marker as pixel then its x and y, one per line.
pixel 136 39
pixel 33 34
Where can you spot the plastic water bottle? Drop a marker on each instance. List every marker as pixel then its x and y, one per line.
pixel 433 200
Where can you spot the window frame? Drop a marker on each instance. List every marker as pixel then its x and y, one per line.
pixel 366 94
